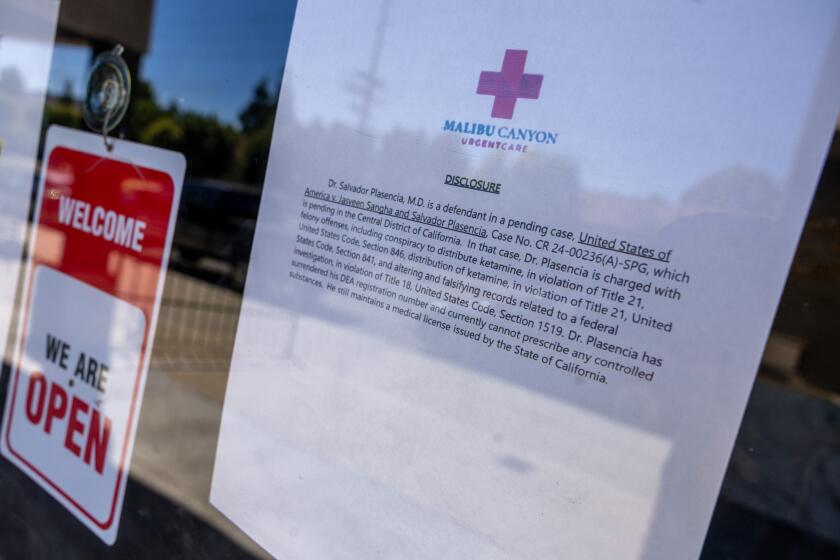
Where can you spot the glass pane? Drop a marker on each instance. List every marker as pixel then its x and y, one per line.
pixel 206 76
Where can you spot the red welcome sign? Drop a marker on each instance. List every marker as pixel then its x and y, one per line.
pixel 94 278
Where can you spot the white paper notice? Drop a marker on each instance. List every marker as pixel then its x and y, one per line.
pixel 514 270
pixel 27 32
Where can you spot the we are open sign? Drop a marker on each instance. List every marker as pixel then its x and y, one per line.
pixel 94 278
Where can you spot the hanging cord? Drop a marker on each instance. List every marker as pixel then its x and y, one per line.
pixel 109 145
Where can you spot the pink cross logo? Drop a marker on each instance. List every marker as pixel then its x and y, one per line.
pixel 510 84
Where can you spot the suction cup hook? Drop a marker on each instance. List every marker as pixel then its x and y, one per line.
pixel 108 92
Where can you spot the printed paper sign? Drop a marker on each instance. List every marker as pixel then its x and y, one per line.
pixel 514 270
pixel 94 279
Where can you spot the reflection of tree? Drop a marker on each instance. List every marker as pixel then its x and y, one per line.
pixel 735 189
pixel 260 110
pixel 10 80
pixel 208 145
pixel 212 148
pixel 257 119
